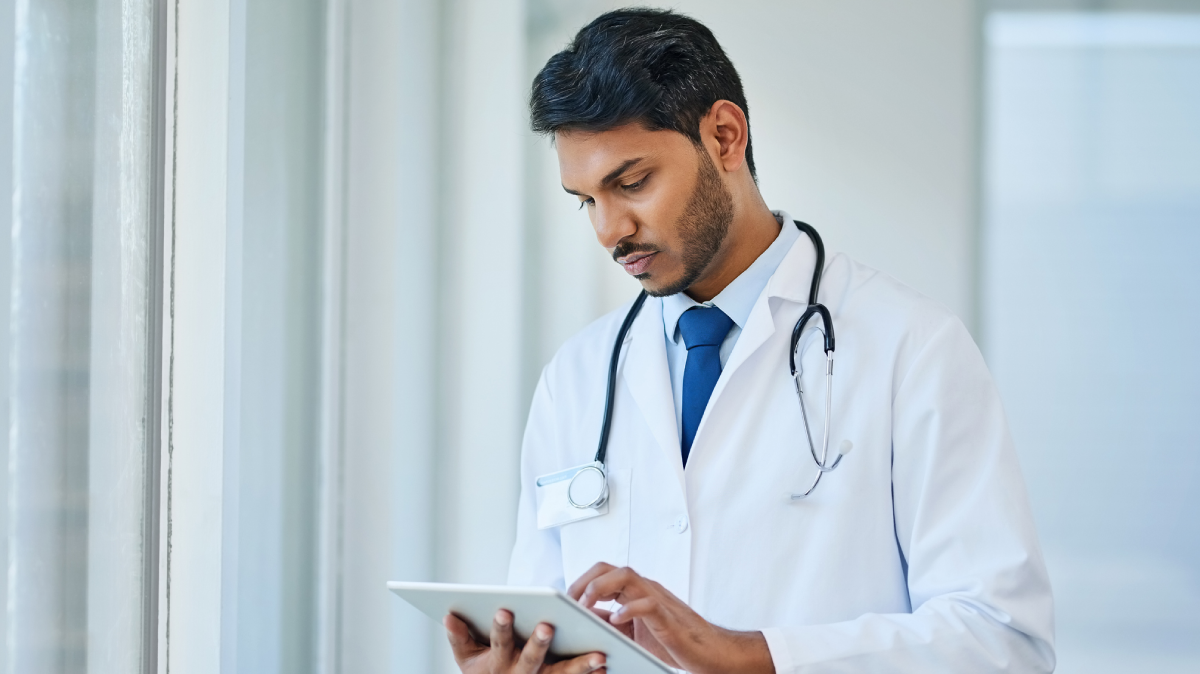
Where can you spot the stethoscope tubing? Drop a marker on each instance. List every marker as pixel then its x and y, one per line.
pixel 606 425
pixel 813 309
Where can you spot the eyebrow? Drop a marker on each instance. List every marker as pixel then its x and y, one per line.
pixel 612 175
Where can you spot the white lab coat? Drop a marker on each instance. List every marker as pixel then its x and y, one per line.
pixel 918 554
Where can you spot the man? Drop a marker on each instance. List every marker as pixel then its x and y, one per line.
pixel 916 554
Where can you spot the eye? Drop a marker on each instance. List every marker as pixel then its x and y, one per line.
pixel 633 187
pixel 586 202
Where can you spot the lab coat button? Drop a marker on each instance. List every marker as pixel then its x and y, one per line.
pixel 680 524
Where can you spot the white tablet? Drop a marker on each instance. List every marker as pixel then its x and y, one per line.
pixel 576 629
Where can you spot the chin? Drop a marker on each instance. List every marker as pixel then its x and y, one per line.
pixel 655 289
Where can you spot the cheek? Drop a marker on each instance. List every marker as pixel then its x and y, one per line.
pixel 660 217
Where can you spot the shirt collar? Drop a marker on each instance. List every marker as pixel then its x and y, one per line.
pixel 738 298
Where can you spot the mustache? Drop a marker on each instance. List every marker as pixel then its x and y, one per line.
pixel 628 247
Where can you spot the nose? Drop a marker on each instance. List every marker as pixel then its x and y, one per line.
pixel 611 224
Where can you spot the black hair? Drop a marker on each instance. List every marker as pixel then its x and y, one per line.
pixel 655 67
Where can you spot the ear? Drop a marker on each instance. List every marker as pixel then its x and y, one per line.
pixel 726 131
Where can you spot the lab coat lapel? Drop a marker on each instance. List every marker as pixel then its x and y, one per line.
pixel 648 378
pixel 790 281
pixel 759 328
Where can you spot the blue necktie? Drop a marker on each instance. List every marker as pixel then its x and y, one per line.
pixel 703 330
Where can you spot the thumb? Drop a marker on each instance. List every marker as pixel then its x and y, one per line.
pixel 461 642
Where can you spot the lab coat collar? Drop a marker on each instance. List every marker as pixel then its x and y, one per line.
pixel 794 276
pixel 789 281
pixel 737 299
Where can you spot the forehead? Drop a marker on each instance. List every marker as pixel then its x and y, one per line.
pixel 585 158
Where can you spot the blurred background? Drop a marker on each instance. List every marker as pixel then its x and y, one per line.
pixel 282 275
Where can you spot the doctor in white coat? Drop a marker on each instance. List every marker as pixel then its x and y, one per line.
pixel 916 554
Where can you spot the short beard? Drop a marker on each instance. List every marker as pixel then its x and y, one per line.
pixel 702 227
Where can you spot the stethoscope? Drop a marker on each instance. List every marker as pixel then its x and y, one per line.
pixel 589 486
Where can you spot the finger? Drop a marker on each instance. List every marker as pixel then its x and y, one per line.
pixel 622 585
pixel 648 609
pixel 584 664
pixel 534 653
pixel 502 640
pixel 626 629
pixel 464 646
pixel 598 569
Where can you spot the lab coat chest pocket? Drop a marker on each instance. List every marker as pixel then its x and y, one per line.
pixel 600 539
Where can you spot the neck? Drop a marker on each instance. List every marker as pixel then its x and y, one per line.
pixel 751 232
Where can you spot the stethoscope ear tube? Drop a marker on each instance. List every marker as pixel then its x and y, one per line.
pixel 819 246
pixel 602 450
pixel 813 306
pixel 812 310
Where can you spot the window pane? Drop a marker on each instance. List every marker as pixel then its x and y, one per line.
pixel 1091 307
pixel 80 321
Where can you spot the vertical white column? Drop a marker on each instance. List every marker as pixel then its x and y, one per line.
pixel 418 127
pixel 372 208
pixel 280 337
pixel 7 49
pixel 196 491
pixel 330 481
pixel 389 329
pixel 231 464
pixel 431 414
pixel 482 275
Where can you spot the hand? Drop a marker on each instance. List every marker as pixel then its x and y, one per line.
pixel 502 656
pixel 669 628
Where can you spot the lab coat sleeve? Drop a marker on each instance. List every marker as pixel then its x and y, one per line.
pixel 536 556
pixel 978 587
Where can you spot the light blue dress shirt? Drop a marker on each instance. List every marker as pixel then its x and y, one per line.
pixel 736 300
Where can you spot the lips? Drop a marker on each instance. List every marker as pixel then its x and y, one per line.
pixel 636 263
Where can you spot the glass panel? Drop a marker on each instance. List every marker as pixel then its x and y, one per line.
pixel 1091 308
pixel 79 324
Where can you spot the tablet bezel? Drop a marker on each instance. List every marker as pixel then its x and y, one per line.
pixel 577 630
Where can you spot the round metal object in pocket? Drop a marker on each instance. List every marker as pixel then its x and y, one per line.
pixel 589 488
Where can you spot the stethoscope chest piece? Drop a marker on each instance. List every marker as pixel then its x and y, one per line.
pixel 589 487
